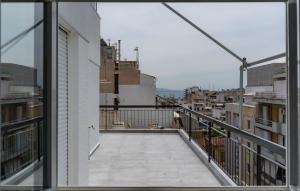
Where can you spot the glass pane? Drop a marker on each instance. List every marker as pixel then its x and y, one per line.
pixel 21 94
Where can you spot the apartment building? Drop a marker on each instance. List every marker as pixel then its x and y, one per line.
pixel 271 107
pixel 263 111
pixel 211 103
pixel 245 160
pixel 266 90
pixel 21 101
pixel 141 93
pixel 109 83
pixel 218 99
pixel 196 98
pixel 270 121
pixel 122 82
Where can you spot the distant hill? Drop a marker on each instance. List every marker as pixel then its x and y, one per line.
pixel 169 93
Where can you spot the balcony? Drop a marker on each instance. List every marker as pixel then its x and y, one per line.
pixel 153 159
pixel 158 146
pixel 22 151
pixel 151 134
pixel 270 97
pixel 272 126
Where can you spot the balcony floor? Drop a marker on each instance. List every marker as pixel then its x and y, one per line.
pixel 146 159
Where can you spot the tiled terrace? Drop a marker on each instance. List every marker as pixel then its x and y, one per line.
pixel 147 159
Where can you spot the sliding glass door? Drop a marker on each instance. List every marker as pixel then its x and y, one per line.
pixel 21 94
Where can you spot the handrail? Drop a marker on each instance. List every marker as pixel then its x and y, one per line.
pixel 13 125
pixel 260 120
pixel 276 148
pixel 281 150
pixel 140 106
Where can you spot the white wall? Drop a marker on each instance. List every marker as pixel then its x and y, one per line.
pixel 254 89
pixel 217 113
pixel 4 88
pixel 107 98
pixel 280 88
pixel 142 94
pixel 93 113
pixel 83 25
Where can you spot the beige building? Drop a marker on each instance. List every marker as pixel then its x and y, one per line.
pixel 129 73
pixel 108 68
pixel 264 114
pixel 245 158
pixel 122 83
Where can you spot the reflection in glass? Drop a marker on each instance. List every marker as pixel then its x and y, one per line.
pixel 21 94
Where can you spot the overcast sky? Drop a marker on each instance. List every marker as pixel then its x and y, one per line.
pixel 178 55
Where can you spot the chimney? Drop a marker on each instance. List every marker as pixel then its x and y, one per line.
pixel 119 48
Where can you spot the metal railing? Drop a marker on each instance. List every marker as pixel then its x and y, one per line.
pixel 237 152
pixel 270 125
pixel 136 117
pixel 21 145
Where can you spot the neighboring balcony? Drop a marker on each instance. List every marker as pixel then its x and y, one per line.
pixel 21 151
pixel 272 126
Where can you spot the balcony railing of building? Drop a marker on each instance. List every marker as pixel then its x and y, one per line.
pixel 271 125
pixel 236 152
pixel 21 146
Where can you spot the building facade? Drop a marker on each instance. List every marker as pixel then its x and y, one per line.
pixel 78 90
pixel 122 82
pixel 264 114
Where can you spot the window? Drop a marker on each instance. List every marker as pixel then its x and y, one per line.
pixel 249 124
pixel 22 94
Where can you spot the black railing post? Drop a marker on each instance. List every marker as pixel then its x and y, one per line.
pixel 258 165
pixel 228 152
pixel 39 140
pixel 209 140
pixel 106 113
pixel 190 126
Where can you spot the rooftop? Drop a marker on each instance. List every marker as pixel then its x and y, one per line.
pixel 147 159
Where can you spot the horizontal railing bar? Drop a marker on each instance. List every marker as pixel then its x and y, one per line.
pixel 215 129
pixel 244 134
pixel 220 188
pixel 263 156
pixel 140 106
pixel 167 1
pixel 273 161
pixel 12 125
